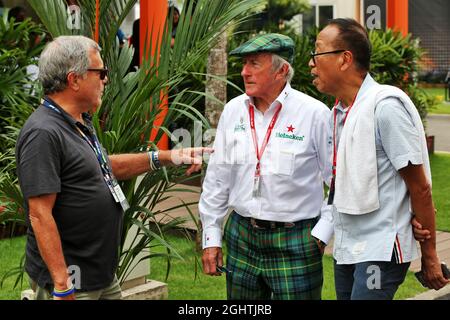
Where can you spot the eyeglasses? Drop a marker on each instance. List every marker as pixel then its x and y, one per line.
pixel 103 72
pixel 313 54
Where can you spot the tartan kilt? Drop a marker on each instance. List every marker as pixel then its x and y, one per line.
pixel 281 263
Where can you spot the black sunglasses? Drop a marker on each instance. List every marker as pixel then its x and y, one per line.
pixel 313 54
pixel 103 72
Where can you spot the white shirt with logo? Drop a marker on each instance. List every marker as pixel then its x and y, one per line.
pixel 294 166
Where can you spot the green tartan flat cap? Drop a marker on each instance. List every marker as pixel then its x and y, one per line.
pixel 273 42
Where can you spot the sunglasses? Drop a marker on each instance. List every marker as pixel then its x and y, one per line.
pixel 313 54
pixel 103 72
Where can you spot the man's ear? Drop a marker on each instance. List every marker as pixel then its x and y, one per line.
pixel 346 60
pixel 72 81
pixel 283 71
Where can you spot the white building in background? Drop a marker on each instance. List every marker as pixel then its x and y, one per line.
pixel 324 10
pixel 331 9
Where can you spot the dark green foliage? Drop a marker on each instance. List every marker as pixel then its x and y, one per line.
pixel 20 43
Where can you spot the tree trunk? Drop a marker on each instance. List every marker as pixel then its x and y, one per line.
pixel 217 66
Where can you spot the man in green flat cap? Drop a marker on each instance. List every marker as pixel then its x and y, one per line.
pixel 272 156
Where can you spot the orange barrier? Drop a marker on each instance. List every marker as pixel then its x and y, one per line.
pixel 97 18
pixel 152 20
pixel 397 15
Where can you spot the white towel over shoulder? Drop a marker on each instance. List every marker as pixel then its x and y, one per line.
pixel 356 182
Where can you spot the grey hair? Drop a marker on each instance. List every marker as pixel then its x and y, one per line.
pixel 278 62
pixel 63 55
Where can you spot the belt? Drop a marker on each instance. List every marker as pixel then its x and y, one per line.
pixel 266 224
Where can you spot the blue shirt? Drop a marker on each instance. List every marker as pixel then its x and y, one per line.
pixel 378 235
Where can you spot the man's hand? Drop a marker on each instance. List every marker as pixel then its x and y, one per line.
pixel 422 205
pixel 432 274
pixel 192 156
pixel 211 258
pixel 48 239
pixel 420 234
pixel 320 244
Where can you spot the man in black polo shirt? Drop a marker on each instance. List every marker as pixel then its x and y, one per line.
pixel 74 204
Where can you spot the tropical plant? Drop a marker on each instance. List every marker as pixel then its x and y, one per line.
pixel 395 58
pixel 396 61
pixel 130 102
pixel 19 45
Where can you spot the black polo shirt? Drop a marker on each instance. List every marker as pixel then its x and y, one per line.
pixel 52 157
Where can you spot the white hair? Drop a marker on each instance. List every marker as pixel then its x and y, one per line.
pixel 63 55
pixel 277 64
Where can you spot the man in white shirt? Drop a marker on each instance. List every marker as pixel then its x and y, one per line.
pixel 272 156
pixel 382 173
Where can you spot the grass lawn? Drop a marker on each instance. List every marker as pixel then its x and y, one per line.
pixel 440 170
pixel 12 251
pixel 185 280
pixel 185 284
pixel 443 107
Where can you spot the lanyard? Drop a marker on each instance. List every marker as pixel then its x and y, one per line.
pixel 95 146
pixel 335 129
pixel 93 143
pixel 331 193
pixel 259 153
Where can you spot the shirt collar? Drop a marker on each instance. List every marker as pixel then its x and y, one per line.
pixel 367 83
pixel 86 116
pixel 280 99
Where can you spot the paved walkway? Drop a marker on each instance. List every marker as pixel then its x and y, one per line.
pixel 439 125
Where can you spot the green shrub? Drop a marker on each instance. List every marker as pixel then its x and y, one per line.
pixel 18 94
pixel 18 49
pixel 395 61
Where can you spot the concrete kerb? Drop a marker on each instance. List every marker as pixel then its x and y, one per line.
pixel 443 294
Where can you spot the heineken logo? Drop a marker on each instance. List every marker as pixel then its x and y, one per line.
pixel 240 126
pixel 289 136
pixel 291 128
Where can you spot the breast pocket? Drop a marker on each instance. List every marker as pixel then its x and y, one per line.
pixel 279 163
pixel 285 163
